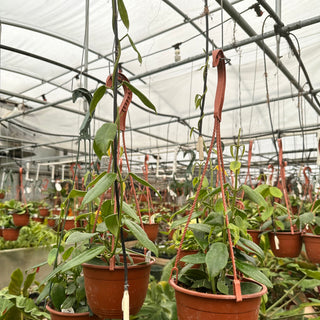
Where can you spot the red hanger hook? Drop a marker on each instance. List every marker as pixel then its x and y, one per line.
pixel 270 166
pixel 126 99
pixel 307 180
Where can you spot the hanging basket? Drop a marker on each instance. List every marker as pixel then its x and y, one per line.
pixel 151 230
pixel 38 219
pixel 104 288
pixel 10 234
pixel 193 305
pixel 289 244
pixel 2 195
pixel 21 220
pixel 312 245
pixel 57 315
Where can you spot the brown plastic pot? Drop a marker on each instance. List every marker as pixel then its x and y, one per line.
pixel 104 288
pixel 151 230
pixel 289 244
pixel 2 195
pixel 1 232
pixel 44 212
pixel 21 220
pixel 38 219
pixel 57 315
pixel 52 222
pixel 312 245
pixel 70 224
pixel 56 212
pixel 255 236
pixel 193 305
pixel 10 234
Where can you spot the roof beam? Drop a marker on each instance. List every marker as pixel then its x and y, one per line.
pixel 233 13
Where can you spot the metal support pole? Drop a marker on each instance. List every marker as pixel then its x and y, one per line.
pixel 86 51
pixel 247 28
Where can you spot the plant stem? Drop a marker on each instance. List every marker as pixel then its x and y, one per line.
pixel 236 174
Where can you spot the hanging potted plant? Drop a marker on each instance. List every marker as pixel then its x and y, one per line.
pixel 9 232
pixel 19 212
pixel 215 290
pixel 44 209
pixel 310 223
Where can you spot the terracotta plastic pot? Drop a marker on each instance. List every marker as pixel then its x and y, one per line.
pixel 289 244
pixel 104 288
pixel 255 236
pixel 151 230
pixel 57 315
pixel 52 222
pixel 1 232
pixel 56 212
pixel 193 305
pixel 312 245
pixel 10 234
pixel 21 220
pixel 2 195
pixel 38 219
pixel 44 212
pixel 70 224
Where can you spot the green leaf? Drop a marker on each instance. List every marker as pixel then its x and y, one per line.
pixel 57 295
pixel 135 49
pixel 68 302
pixel 253 272
pixel 52 256
pixel 81 93
pixel 249 288
pixel 101 186
pixel 194 258
pixel 141 96
pixel 97 96
pixel 145 183
pixel 76 261
pixel 245 243
pixel 275 192
pixel 112 223
pixel 104 138
pixel 27 283
pixel 76 193
pixel 184 220
pixel 93 182
pixel 141 236
pixel 254 196
pixel 235 166
pixel 225 286
pixel 200 227
pixel 127 209
pixel 306 218
pixel 267 213
pixel 216 259
pixel 67 253
pixel 235 231
pixel 77 237
pixel 16 282
pixel 123 13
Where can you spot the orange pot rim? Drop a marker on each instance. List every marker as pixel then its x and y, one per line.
pixel 65 314
pixel 220 296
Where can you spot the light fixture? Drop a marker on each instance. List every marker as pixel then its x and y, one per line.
pixel 177 56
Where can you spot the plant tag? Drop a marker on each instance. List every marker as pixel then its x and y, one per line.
pixel 148 256
pixel 58 186
pixel 276 242
pixel 69 310
pixel 125 305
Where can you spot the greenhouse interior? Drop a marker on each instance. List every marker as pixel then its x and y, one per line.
pixel 206 205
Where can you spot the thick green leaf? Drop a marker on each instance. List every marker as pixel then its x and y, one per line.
pixel 104 138
pixel 245 243
pixel 76 193
pixel 67 253
pixel 253 272
pixel 267 213
pixel 306 218
pixel 276 192
pixel 77 237
pixel 68 302
pixel 81 93
pixel 93 182
pixel 112 223
pixel 194 258
pixel 123 13
pixel 200 227
pixel 145 183
pixel 235 231
pixel 141 96
pixel 57 295
pixel 311 273
pixel 28 282
pixel 216 259
pixel 130 212
pixel 225 286
pixel 235 166
pixel 52 256
pixel 76 261
pixel 183 220
pixel 141 236
pixel 16 282
pixel 97 96
pixel 250 288
pixel 101 186
pixel 254 196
